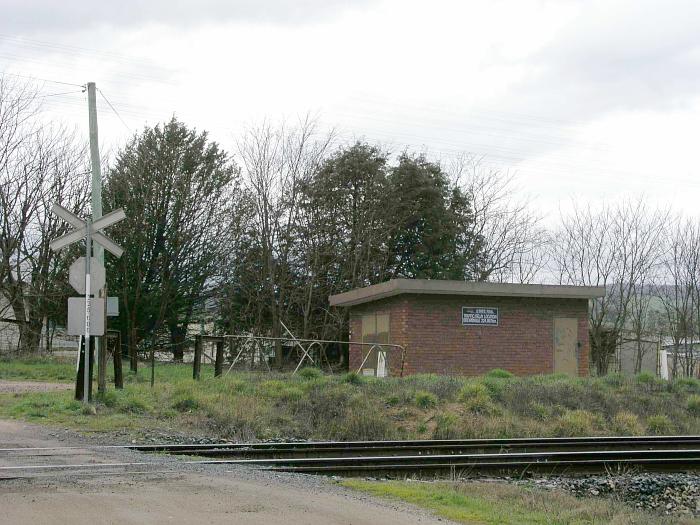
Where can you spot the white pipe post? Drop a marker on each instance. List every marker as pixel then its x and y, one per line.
pixel 86 371
pixel 96 186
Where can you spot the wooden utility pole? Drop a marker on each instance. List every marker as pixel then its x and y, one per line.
pixel 96 204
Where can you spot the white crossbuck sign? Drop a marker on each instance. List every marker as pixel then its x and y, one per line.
pixel 81 230
pixel 90 231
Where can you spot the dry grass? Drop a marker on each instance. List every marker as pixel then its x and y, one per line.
pixel 247 406
pixel 496 503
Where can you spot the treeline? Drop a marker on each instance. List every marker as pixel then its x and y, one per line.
pixel 256 237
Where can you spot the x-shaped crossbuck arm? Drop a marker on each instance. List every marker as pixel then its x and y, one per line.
pixel 81 226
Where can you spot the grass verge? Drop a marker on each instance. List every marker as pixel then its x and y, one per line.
pixel 250 406
pixel 497 504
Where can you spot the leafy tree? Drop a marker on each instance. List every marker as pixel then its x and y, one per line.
pixel 177 188
pixel 340 234
pixel 428 222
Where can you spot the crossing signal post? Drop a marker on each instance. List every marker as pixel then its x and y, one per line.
pixel 90 231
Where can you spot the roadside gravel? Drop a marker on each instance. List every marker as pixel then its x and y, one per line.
pixel 670 494
pixel 166 490
pixel 17 387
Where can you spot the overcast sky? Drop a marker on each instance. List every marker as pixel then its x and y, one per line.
pixel 582 100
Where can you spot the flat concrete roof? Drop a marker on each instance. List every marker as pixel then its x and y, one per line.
pixel 437 287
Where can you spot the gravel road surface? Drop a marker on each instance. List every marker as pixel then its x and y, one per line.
pixel 165 490
pixel 17 387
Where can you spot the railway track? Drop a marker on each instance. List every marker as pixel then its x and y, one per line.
pixel 288 450
pixel 423 457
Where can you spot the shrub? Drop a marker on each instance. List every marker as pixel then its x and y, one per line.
pixel 519 395
pixel 445 426
pixel 290 394
pixel 495 385
pixel 470 390
pixel 392 401
pixel 322 407
pixel 134 405
pixel 499 373
pixel 310 372
pixel 645 377
pixel 576 423
pixel 87 410
pixel 659 425
pixel 422 428
pixel 353 378
pixel 444 387
pixel 185 403
pixel 234 386
pixel 649 381
pixel 693 404
pixel 74 405
pixel 476 398
pixel 627 424
pixel 686 384
pixel 615 380
pixel 243 419
pixel 540 411
pixel 362 421
pixel 108 399
pixel 271 387
pixel 425 399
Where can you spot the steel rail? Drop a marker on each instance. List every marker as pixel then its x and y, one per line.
pixel 670 460
pixel 425 448
pixel 469 458
pixel 313 446
pixel 578 461
pixel 429 443
pixel 530 458
pixel 568 467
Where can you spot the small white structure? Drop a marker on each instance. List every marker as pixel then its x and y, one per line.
pixel 680 358
pixel 9 331
pixel 638 355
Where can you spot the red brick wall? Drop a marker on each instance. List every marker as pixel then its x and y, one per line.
pixel 430 328
pixel 397 308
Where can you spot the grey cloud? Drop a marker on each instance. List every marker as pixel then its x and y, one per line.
pixel 22 17
pixel 643 56
pixel 640 56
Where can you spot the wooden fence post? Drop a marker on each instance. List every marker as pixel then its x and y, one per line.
pixel 197 364
pixel 219 362
pixel 117 357
pixel 101 364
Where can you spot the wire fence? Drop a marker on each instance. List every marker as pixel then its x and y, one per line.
pixel 260 352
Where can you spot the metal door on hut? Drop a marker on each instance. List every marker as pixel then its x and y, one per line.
pixel 375 329
pixel 566 346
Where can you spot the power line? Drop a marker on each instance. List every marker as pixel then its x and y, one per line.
pixel 4 73
pixel 65 47
pixel 113 109
pixel 61 93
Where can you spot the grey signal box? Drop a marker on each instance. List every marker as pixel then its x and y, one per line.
pixel 76 316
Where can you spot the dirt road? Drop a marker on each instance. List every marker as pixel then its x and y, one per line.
pixel 17 387
pixel 165 491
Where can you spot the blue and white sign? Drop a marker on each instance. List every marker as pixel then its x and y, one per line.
pixel 479 316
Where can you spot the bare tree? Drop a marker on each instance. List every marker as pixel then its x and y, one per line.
pixel 276 161
pixel 38 167
pixel 679 292
pixel 614 247
pixel 513 240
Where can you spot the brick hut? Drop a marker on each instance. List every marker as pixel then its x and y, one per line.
pixel 468 328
